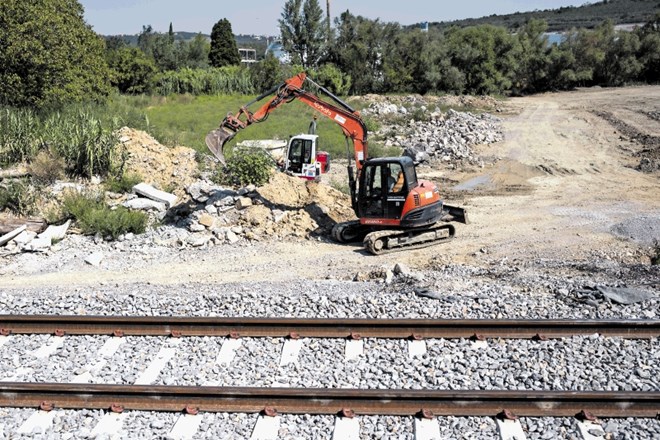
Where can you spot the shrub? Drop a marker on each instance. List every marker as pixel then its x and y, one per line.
pixel 330 77
pixel 19 131
pixel 123 184
pixel 47 167
pixel 18 196
pixel 246 167
pixel 82 140
pixel 93 216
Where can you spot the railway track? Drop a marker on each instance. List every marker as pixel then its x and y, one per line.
pixel 323 328
pixel 407 406
pixel 330 401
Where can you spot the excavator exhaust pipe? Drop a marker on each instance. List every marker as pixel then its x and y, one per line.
pixel 216 140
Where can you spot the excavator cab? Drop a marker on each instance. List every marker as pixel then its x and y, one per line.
pixel 384 187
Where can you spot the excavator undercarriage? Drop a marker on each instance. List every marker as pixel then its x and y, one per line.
pixel 380 241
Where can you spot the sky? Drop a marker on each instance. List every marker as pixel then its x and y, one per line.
pixel 259 17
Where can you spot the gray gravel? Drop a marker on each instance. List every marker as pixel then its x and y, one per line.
pixel 613 363
pixel 500 289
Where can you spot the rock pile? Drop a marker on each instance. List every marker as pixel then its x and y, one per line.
pixel 286 207
pixel 195 212
pixel 431 134
pixel 447 137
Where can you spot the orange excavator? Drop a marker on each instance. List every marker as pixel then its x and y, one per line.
pixel 395 209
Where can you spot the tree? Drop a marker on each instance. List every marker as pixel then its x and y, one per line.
pixel 224 51
pixel 266 73
pixel 407 60
pixel 486 56
pixel 533 57
pixel 159 47
pixel 304 33
pixel 196 53
pixel 48 58
pixel 621 65
pixel 330 77
pixel 133 70
pixel 358 51
pixel 649 53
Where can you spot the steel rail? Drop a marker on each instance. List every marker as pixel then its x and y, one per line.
pixel 329 401
pixel 322 328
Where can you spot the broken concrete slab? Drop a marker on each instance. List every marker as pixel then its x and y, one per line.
pixel 211 209
pixel 24 238
pixel 196 227
pixel 38 245
pixel 10 235
pixel 143 204
pixel 152 193
pixel 94 259
pixel 55 233
pixel 231 237
pixel 402 269
pixel 206 220
pixel 427 293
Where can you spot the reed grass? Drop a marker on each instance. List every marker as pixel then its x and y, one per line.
pixel 76 134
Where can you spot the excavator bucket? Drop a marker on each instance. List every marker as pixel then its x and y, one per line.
pixel 216 140
pixel 455 214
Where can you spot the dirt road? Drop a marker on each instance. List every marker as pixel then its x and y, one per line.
pixel 565 178
pixel 553 189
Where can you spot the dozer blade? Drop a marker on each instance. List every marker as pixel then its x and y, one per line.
pixel 455 214
pixel 216 140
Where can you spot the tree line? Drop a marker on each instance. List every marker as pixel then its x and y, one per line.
pixel 47 60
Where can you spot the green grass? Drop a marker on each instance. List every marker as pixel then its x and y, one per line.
pixel 185 120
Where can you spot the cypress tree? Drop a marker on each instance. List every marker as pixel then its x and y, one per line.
pixel 224 51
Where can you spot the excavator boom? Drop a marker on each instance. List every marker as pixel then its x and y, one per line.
pixel 341 113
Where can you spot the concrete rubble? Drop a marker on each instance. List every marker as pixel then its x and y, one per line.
pixel 22 240
pixel 448 138
pixel 430 134
pixel 154 194
pixel 206 214
pixel 11 235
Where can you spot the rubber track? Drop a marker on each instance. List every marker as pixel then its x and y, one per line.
pixel 371 240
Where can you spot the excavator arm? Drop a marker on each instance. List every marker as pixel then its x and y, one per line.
pixel 341 113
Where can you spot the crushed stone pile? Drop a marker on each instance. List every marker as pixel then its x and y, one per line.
pixel 449 137
pixel 390 105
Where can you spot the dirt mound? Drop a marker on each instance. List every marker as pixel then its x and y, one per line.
pixel 168 168
pixel 297 207
pixel 288 192
pixel 284 190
